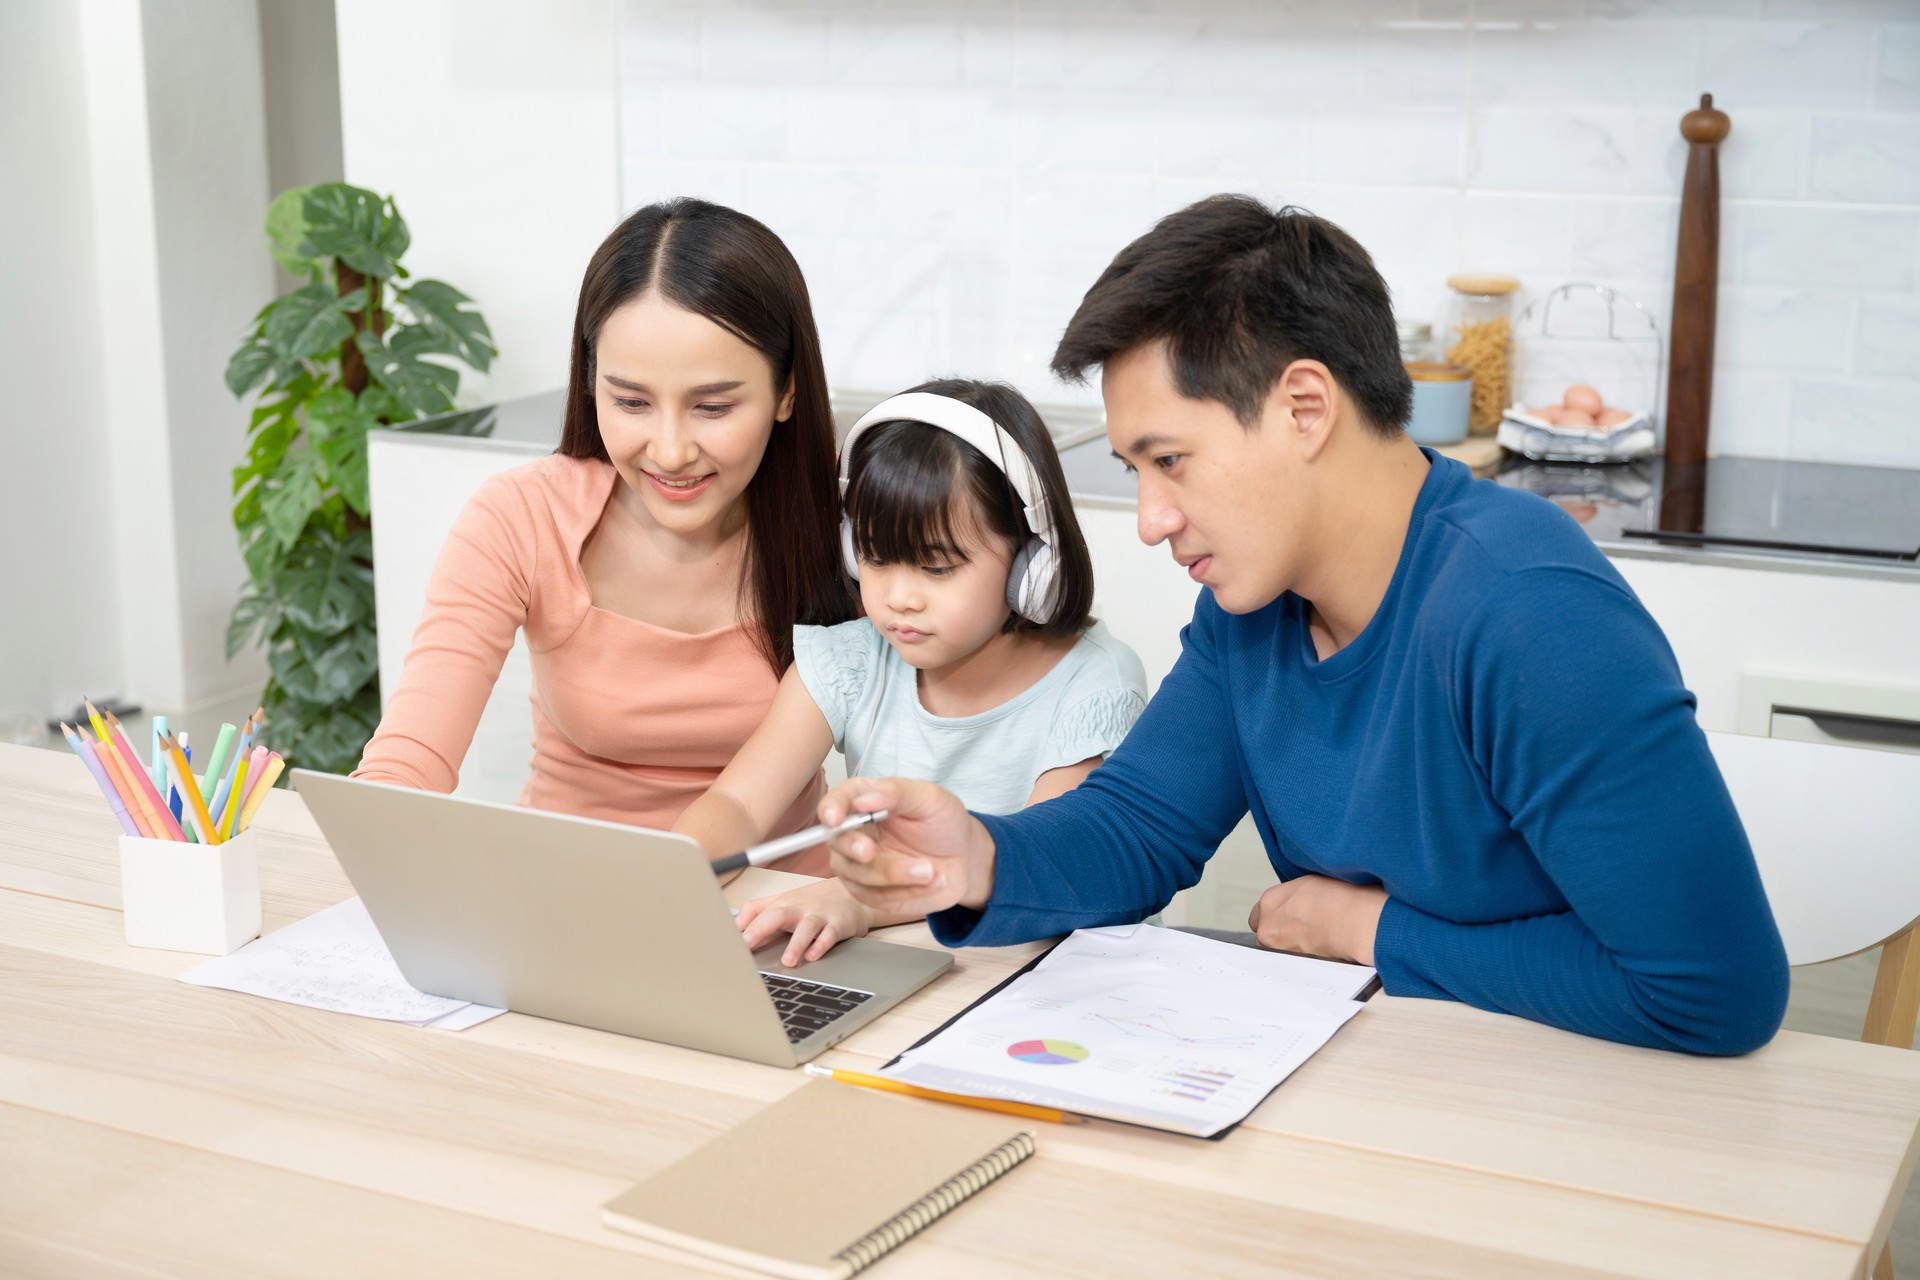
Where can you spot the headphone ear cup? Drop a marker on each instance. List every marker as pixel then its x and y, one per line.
pixel 1030 581
pixel 848 556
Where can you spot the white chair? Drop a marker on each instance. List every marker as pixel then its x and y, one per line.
pixel 1836 833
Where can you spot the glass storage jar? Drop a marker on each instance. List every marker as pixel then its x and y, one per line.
pixel 1479 336
pixel 1416 340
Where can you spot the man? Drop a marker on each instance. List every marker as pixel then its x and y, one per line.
pixel 1464 742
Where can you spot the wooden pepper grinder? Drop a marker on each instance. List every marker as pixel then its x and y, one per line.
pixel 1696 283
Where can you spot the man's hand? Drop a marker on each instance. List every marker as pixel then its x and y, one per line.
pixel 926 855
pixel 1319 916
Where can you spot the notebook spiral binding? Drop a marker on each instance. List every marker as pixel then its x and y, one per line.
pixel 936 1204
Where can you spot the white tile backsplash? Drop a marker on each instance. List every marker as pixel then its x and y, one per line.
pixel 1866 158
pixel 953 174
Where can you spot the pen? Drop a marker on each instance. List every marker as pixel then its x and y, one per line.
pixel 866 1081
pixel 761 854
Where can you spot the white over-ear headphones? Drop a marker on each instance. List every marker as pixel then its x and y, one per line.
pixel 1031 576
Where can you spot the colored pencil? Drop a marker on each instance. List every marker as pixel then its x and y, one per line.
pixel 255 764
pixel 84 749
pixel 151 805
pixel 117 770
pixel 866 1081
pixel 195 807
pixel 257 795
pixel 93 714
pixel 234 794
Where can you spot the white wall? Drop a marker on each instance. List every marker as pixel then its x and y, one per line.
pixel 206 122
pixel 135 156
pixel 492 124
pixel 953 176
pixel 59 625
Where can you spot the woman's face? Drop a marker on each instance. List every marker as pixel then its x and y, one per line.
pixel 685 409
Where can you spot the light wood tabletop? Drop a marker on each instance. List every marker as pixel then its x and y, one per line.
pixel 155 1128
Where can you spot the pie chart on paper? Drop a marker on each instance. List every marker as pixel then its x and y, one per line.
pixel 1047 1053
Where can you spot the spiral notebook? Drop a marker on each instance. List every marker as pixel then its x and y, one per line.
pixel 822 1183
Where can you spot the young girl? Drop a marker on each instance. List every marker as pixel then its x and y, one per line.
pixel 976 666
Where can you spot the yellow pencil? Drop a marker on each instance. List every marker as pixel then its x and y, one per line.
pixel 866 1081
pixel 230 819
pixel 191 804
pixel 99 725
pixel 258 796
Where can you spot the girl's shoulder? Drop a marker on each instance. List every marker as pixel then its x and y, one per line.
pixel 1101 660
pixel 844 655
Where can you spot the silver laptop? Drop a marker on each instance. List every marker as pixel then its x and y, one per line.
pixel 608 926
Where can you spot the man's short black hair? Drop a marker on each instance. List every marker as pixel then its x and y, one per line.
pixel 1239 292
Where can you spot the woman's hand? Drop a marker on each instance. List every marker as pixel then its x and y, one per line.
pixel 818 916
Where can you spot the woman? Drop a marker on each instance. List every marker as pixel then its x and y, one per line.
pixel 659 559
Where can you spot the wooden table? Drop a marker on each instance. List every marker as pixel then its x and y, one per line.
pixel 150 1127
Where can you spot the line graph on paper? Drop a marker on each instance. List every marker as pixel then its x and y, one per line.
pixel 1159 1025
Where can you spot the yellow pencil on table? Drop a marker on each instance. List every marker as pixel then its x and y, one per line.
pixel 191 805
pixel 866 1081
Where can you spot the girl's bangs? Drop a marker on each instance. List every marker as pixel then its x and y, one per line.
pixel 900 502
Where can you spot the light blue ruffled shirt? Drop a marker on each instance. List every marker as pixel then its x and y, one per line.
pixel 870 696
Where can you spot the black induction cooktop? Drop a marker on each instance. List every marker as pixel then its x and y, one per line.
pixel 1770 504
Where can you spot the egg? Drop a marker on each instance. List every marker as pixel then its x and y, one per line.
pixel 1549 414
pixel 1611 417
pixel 1575 418
pixel 1583 398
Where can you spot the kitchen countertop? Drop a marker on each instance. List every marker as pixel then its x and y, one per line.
pixel 1868 506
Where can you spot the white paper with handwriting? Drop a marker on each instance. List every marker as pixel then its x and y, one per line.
pixel 335 959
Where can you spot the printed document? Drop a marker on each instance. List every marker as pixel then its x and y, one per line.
pixel 335 959
pixel 1143 1024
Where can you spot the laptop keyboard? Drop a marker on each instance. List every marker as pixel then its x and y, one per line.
pixel 805 1007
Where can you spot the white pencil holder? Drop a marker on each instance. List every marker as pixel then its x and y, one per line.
pixel 190 897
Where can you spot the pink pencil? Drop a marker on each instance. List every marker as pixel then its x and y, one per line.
pixel 256 765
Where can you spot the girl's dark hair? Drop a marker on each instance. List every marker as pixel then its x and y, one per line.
pixel 730 268
pixel 1240 291
pixel 904 476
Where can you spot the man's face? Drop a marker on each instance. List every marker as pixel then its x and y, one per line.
pixel 1225 499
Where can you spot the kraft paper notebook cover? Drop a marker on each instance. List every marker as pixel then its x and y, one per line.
pixel 823 1182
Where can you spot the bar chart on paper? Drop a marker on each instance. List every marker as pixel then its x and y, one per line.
pixel 1174 1031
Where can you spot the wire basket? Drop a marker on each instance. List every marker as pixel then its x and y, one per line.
pixel 1584 333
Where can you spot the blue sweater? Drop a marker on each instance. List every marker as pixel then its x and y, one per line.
pixel 1506 747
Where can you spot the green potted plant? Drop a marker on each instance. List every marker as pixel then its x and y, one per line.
pixel 358 346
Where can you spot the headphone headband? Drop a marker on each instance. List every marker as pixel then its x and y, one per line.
pixel 956 417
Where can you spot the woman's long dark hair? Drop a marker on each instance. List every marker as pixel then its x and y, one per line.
pixel 730 268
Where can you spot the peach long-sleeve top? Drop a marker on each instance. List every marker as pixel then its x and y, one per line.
pixel 631 721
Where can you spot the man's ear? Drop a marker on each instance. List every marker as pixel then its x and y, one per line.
pixel 1307 391
pixel 784 410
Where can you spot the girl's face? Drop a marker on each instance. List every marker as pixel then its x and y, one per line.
pixel 937 615
pixel 685 409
